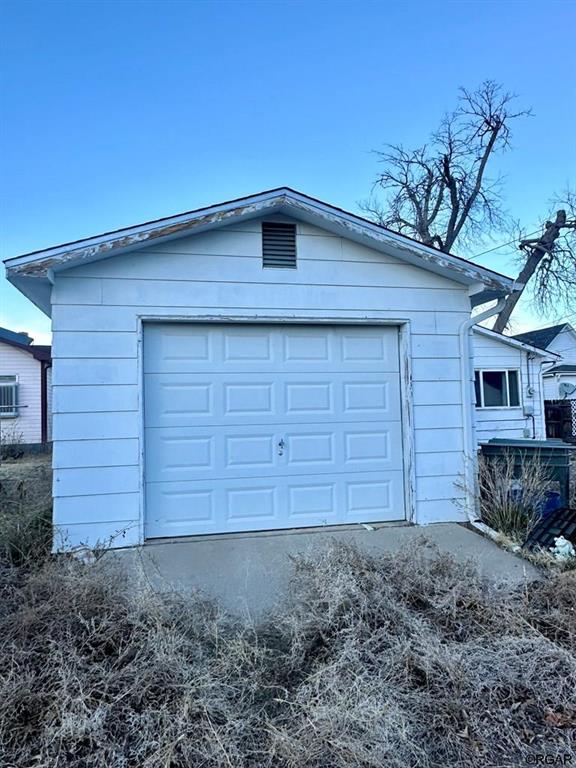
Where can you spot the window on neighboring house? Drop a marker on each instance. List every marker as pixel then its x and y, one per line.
pixel 8 396
pixel 278 245
pixel 497 389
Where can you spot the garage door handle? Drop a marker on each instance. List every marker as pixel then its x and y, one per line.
pixel 281 447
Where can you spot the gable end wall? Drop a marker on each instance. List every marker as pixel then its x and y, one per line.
pixel 97 397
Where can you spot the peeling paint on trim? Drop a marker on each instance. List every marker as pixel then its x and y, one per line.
pixel 39 265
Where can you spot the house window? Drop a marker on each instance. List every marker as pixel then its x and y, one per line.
pixel 278 245
pixel 497 389
pixel 8 396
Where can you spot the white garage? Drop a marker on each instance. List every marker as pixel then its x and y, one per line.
pixel 266 363
pixel 262 427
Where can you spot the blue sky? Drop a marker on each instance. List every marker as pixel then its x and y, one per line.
pixel 113 113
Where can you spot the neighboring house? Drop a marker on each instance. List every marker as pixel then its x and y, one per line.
pixel 268 363
pixel 509 386
pixel 560 339
pixel 559 378
pixel 25 373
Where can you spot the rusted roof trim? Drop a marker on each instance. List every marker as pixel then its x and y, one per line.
pixel 41 264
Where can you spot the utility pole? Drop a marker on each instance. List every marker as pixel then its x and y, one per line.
pixel 536 250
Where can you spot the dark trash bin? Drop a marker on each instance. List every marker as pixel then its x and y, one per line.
pixel 554 455
pixel 552 502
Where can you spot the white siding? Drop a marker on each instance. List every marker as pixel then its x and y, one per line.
pixel 49 403
pixel 551 383
pixel 564 344
pixel 511 423
pixel 552 386
pixel 97 361
pixel 15 362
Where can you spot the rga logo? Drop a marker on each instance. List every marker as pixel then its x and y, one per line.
pixel 540 759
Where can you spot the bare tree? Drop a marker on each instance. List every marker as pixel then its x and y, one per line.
pixel 440 193
pixel 548 264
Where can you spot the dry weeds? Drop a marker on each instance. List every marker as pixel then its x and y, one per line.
pixel 398 660
pixel 511 500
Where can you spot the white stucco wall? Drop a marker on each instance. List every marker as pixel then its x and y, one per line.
pixel 514 423
pixel 97 396
pixel 27 426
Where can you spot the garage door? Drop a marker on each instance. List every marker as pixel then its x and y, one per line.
pixel 251 427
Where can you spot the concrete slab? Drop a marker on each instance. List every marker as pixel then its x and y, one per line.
pixel 248 573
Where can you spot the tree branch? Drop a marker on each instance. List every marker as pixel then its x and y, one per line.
pixel 537 251
pixel 440 191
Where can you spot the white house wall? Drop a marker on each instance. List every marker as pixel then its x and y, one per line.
pixel 49 403
pixel 552 385
pixel 564 344
pixel 97 420
pixel 492 354
pixel 27 427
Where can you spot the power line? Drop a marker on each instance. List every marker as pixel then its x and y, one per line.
pixel 497 248
pixel 567 317
pixel 556 321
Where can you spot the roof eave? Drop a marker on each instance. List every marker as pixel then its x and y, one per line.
pixel 561 370
pixel 512 342
pixel 42 264
pixel 42 355
pixel 38 289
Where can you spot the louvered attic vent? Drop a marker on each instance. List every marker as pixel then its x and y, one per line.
pixel 278 245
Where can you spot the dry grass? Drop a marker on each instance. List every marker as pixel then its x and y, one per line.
pixel 550 608
pixel 400 660
pixel 26 536
pixel 543 558
pixel 511 503
pixel 26 510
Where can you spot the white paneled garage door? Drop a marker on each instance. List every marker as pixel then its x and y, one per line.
pixel 254 427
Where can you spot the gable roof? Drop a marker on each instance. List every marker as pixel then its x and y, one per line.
pixel 515 342
pixel 543 336
pixel 21 337
pixel 42 352
pixel 564 368
pixel 32 273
